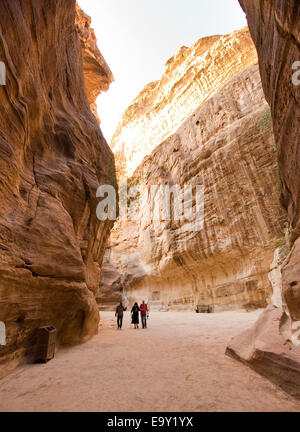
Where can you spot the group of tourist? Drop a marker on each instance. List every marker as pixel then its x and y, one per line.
pixel 135 312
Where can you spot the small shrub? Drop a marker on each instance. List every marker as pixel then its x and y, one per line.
pixel 280 243
pixel 265 121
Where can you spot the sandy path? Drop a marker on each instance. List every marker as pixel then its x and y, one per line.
pixel 177 364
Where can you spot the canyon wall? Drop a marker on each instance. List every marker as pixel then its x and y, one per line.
pixel 52 159
pixel 227 146
pixel 97 74
pixel 272 346
pixel 191 77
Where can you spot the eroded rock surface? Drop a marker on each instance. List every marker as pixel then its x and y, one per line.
pixel 52 159
pixel 275 29
pixel 266 349
pixel 228 146
pixel 97 73
pixel 191 77
pixel 276 33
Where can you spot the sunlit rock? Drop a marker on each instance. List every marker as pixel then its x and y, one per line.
pixel 191 77
pixel 228 146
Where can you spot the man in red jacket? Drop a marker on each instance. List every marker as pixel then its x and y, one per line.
pixel 144 312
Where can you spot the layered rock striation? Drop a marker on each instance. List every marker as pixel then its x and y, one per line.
pixel 227 146
pixel 190 78
pixel 274 26
pixel 52 159
pixel 97 74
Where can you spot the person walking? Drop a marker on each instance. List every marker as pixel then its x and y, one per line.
pixel 120 314
pixel 135 315
pixel 144 314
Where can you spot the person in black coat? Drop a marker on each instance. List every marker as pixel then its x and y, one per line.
pixel 119 314
pixel 135 315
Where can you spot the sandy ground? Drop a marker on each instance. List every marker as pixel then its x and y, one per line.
pixel 177 364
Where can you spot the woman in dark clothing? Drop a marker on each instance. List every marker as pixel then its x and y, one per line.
pixel 135 315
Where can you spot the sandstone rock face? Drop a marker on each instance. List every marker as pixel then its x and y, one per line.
pixel 275 276
pixel 275 30
pixel 266 349
pixel 97 73
pixel 191 77
pixel 52 159
pixel 227 145
pixel 276 33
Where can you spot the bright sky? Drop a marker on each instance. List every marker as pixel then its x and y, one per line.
pixel 137 37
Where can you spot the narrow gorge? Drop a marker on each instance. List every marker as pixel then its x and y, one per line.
pixel 223 120
pixel 225 143
pixel 192 127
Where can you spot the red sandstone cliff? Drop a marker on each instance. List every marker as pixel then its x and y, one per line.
pixel 52 159
pixel 228 146
pixel 190 78
pixel 97 74
pixel 272 346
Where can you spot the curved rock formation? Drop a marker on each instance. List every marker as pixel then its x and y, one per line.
pixel 97 74
pixel 275 30
pixel 52 159
pixel 191 77
pixel 228 146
